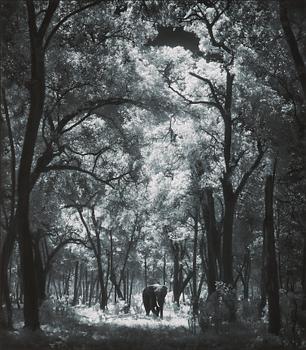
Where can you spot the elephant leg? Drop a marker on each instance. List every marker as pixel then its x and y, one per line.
pixel 156 311
pixel 147 308
pixel 146 303
pixel 156 306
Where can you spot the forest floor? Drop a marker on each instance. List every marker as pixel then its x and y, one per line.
pixel 84 328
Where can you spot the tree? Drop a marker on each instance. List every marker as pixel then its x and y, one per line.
pixel 49 26
pixel 285 9
pixel 271 264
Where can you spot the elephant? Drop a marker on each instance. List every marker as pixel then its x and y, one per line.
pixel 153 298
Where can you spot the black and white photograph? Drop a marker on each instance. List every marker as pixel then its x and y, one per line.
pixel 153 175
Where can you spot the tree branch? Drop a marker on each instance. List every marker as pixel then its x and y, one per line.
pixel 213 92
pixel 13 154
pixel 248 173
pixel 31 18
pixel 87 231
pixel 53 5
pixel 51 256
pixel 41 164
pixel 209 26
pixel 186 281
pixel 292 43
pixel 64 167
pixel 89 107
pixel 64 19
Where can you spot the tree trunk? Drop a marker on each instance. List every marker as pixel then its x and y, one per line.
pixel 131 289
pixel 246 275
pixel 272 278
pixel 179 283
pixel 164 269
pixel 91 289
pixel 6 251
pixel 293 44
pixel 117 286
pixel 195 301
pixel 67 283
pixel 103 300
pixel 213 239
pixel 176 274
pixel 40 273
pixel 86 286
pixel 76 284
pixel 145 272
pixel 97 291
pixel 37 99
pixel 7 241
pixel 229 210
pixel 55 288
pixel 304 273
pixel 37 96
pixel 3 319
pixel 263 279
pixel 48 284
pixel 125 284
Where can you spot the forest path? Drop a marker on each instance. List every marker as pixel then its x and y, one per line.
pixel 80 336
pixel 123 332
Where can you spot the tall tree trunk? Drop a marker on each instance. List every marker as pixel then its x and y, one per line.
pixel 86 285
pixel 125 284
pixel 7 241
pixel 213 239
pixel 76 284
pixel 3 319
pixel 246 275
pixel 227 186
pixel 104 297
pixel 293 44
pixel 37 99
pixel 131 289
pixel 116 285
pixel 176 273
pixel 145 272
pixel 37 96
pixel 40 273
pixel 164 269
pixel 300 68
pixel 91 289
pixel 6 251
pixel 179 283
pixel 67 283
pixel 195 301
pixel 304 273
pixel 263 278
pixel 229 211
pixel 272 278
pixel 97 291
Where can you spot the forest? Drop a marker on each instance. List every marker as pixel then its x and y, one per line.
pixel 152 174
